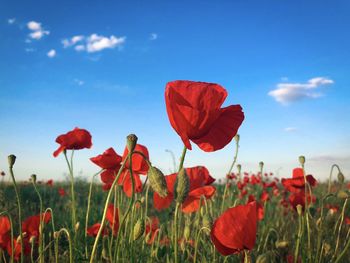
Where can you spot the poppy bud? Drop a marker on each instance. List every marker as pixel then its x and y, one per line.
pixel 327 248
pixel 239 168
pixel 187 232
pixel 264 258
pixel 183 186
pixel 282 244
pixel 139 228
pixel 105 254
pixel 131 141
pixel 76 227
pixel 157 181
pixel 237 138
pixel 33 178
pixel 207 221
pixel 55 235
pixel 12 160
pixel 299 209
pixel 342 195
pixel 341 177
pixel 302 160
pixel 32 240
pixel 261 165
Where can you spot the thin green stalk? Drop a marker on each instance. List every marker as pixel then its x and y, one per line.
pixel 339 230
pixel 73 205
pixel 175 233
pixel 19 211
pixel 306 214
pixel 64 230
pixel 88 212
pixel 228 173
pixel 330 176
pixel 197 242
pixel 40 220
pixel 92 256
pixel 300 232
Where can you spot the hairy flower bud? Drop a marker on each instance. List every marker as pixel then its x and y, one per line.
pixel 281 244
pixel 157 181
pixel 207 221
pixel 76 227
pixel 33 178
pixel 299 209
pixel 131 141
pixel 341 177
pixel 139 229
pixel 342 194
pixel 12 160
pixel 302 160
pixel 183 186
pixel 239 168
pixel 187 232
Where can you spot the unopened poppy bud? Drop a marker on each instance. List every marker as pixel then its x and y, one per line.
pixel 76 227
pixel 142 200
pixel 139 228
pixel 207 221
pixel 261 165
pixel 32 239
pixel 237 137
pixel 327 248
pixel 131 141
pixel 318 223
pixel 187 232
pixel 302 160
pixel 263 258
pixel 299 209
pixel 12 160
pixel 282 244
pixel 157 181
pixel 105 254
pixel 342 194
pixel 341 177
pixel 239 168
pixel 33 178
pixel 183 186
pixel 55 235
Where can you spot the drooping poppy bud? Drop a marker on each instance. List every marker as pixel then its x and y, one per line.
pixel 302 160
pixel 341 177
pixel 12 160
pixel 261 165
pixel 139 229
pixel 183 186
pixel 33 178
pixel 157 181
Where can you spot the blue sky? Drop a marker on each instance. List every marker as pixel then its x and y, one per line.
pixel 103 66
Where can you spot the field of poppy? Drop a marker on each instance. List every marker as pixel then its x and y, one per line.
pixel 130 211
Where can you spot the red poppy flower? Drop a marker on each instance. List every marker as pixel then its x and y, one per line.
pixel 235 230
pixel 347 221
pixel 264 196
pixel 259 208
pixel 49 183
pixel 93 230
pixel 61 192
pixel 298 198
pixel 199 178
pixel 111 162
pixel 32 223
pixel 108 160
pixel 17 248
pixel 5 227
pixel 74 140
pixel 298 182
pixel 113 218
pixel 194 110
pixel 152 229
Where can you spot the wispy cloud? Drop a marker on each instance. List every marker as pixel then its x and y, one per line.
pixel 79 82
pixel 153 36
pixel 37 30
pixel 290 129
pixel 11 20
pixel 330 158
pixel 288 92
pixel 93 43
pixel 51 53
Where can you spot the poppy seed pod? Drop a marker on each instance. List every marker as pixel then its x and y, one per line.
pixel 12 160
pixel 183 186
pixel 33 178
pixel 261 165
pixel 139 229
pixel 341 177
pixel 131 141
pixel 157 181
pixel 302 160
pixel 239 168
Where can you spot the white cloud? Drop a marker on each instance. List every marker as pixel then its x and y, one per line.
pixel 288 92
pixel 93 43
pixel 153 36
pixel 290 129
pixel 51 53
pixel 11 20
pixel 97 43
pixel 71 42
pixel 79 82
pixel 37 30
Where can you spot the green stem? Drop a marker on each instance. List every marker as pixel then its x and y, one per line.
pixel 19 212
pixel 88 212
pixel 330 176
pixel 182 158
pixel 69 242
pixel 40 222
pixel 92 257
pixel 339 230
pixel 300 231
pixel 175 233
pixel 306 214
pixel 197 242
